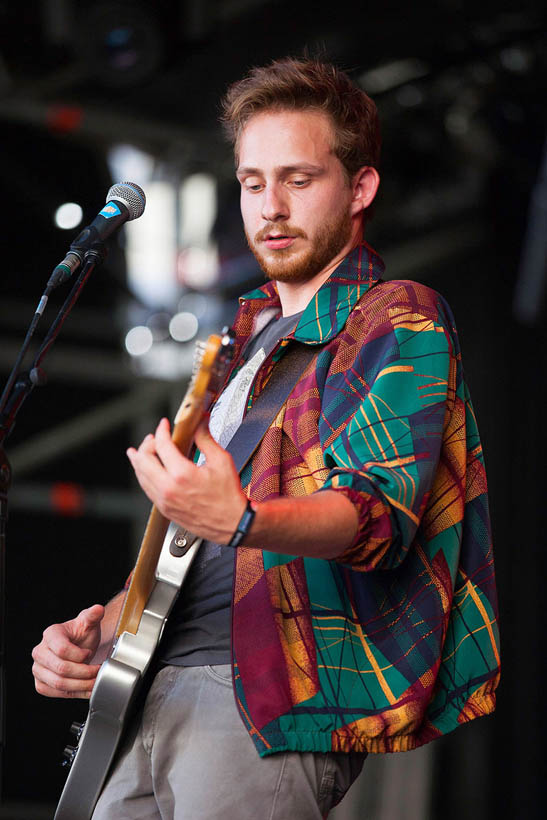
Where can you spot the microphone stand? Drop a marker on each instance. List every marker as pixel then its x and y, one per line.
pixel 18 387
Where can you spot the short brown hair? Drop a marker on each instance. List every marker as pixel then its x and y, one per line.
pixel 292 84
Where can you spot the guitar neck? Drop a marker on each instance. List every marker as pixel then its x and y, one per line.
pixel 143 579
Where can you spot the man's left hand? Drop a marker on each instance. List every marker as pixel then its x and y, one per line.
pixel 206 500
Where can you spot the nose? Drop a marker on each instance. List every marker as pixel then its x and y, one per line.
pixel 274 205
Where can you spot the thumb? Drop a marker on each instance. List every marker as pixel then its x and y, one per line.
pixel 86 624
pixel 216 456
pixel 93 615
pixel 204 439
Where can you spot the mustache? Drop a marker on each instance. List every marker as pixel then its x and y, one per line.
pixel 279 228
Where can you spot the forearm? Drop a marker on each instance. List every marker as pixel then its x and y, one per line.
pixel 321 525
pixel 112 612
pixel 209 501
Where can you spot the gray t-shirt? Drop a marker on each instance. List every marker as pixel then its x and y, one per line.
pixel 198 631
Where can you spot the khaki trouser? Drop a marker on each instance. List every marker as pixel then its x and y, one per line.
pixel 189 757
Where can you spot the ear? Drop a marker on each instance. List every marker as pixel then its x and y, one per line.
pixel 364 186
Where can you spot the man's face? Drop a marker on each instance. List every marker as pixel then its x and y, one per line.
pixel 295 199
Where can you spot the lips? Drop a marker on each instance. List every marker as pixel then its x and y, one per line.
pixel 278 241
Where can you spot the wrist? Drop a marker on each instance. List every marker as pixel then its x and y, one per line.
pixel 244 525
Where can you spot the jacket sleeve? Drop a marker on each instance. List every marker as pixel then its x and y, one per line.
pixel 384 456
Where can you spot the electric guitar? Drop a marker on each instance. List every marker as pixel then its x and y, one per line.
pixel 164 558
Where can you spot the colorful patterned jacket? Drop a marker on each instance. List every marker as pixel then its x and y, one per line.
pixel 395 642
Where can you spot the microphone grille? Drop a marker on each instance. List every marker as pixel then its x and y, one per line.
pixel 131 195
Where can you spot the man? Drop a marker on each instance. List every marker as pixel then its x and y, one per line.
pixel 363 607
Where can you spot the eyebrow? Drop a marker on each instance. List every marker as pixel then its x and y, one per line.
pixel 283 169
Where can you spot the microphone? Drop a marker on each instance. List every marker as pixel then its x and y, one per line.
pixel 124 202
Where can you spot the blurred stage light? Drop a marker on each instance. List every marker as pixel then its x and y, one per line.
pixel 67 498
pixel 457 121
pixel 165 360
pixel 159 325
pixel 129 162
pixel 123 44
pixel 151 248
pixel 68 216
pixel 198 208
pixel 139 340
pixel 516 59
pixel 198 267
pixel 195 303
pixel 197 264
pixel 183 326
pixel 409 96
pixel 391 75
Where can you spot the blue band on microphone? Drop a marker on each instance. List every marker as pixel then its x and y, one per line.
pixel 109 210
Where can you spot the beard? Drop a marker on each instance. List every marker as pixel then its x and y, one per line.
pixel 288 265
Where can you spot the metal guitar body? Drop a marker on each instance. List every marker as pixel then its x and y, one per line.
pixel 163 561
pixel 117 685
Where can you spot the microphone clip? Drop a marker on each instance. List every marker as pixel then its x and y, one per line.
pixel 95 253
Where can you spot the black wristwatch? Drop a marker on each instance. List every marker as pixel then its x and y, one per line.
pixel 244 525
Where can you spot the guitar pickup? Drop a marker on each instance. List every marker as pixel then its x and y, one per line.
pixel 181 542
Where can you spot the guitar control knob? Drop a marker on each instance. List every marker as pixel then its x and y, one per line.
pixel 69 754
pixel 77 729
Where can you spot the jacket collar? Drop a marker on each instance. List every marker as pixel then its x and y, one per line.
pixel 329 309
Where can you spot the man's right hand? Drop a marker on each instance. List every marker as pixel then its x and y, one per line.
pixel 62 667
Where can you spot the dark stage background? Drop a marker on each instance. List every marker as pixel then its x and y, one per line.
pixel 92 93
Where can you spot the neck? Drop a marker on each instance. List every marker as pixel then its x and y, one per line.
pixel 295 296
